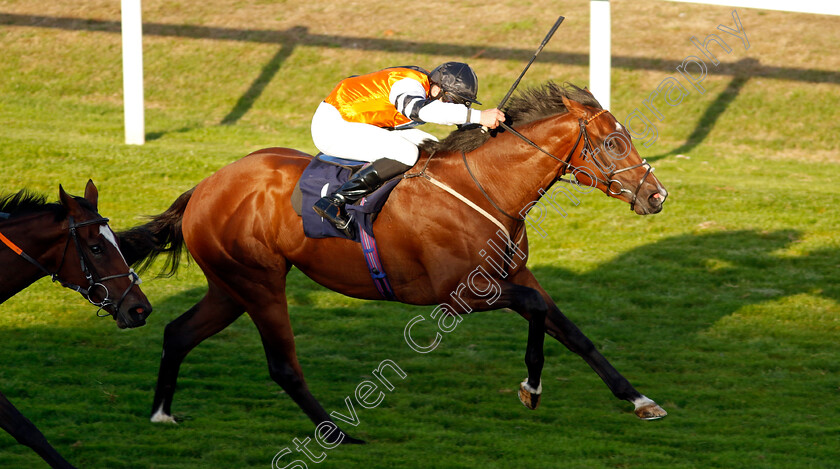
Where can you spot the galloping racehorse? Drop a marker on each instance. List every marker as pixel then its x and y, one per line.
pixel 240 227
pixel 70 242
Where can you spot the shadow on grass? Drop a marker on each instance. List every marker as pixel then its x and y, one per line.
pixel 676 286
pixel 682 285
pixel 152 136
pixel 175 305
pixel 299 35
pixel 679 285
pixel 269 70
pixel 686 281
pixel 712 114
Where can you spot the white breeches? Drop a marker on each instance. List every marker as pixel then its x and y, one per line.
pixel 335 136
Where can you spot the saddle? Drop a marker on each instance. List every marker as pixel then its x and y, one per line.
pixel 322 176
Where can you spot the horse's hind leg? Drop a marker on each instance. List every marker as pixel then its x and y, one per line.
pixel 272 321
pixel 209 316
pixel 25 432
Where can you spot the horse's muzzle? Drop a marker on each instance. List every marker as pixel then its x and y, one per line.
pixel 134 316
pixel 653 203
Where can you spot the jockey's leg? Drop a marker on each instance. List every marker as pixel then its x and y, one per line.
pixel 390 152
pixel 365 181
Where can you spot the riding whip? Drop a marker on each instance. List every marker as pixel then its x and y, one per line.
pixel 539 49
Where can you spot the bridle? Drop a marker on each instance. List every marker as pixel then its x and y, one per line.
pixel 610 178
pixel 93 278
pixel 607 181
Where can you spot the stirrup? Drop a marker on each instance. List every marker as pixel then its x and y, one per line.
pixel 327 208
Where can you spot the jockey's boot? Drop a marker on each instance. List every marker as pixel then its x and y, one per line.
pixel 365 181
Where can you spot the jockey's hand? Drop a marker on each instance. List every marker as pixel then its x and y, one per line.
pixel 491 118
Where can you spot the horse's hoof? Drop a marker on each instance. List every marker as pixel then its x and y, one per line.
pixel 649 410
pixel 160 417
pixel 528 396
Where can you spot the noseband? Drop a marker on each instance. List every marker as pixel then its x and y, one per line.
pixel 94 280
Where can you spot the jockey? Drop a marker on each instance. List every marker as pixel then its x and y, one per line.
pixel 372 118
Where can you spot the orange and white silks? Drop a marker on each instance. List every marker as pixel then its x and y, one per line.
pixel 365 98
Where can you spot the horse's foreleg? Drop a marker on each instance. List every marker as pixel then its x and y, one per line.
pixel 209 316
pixel 25 432
pixel 529 303
pixel 566 332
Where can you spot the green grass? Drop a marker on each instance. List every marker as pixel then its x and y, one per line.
pixel 723 308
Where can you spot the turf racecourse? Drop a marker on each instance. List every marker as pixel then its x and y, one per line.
pixel 723 308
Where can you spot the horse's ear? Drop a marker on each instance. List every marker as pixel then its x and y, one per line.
pixel 577 109
pixel 67 200
pixel 91 193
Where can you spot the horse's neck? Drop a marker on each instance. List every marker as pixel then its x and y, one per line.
pixel 38 237
pixel 516 173
pixel 15 273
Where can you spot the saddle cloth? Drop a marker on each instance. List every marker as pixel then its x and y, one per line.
pixel 323 176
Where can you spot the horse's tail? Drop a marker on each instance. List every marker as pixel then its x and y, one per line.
pixel 142 244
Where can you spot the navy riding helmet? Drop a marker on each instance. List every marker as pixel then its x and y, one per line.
pixel 458 82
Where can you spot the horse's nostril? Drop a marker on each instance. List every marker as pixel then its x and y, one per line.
pixel 141 311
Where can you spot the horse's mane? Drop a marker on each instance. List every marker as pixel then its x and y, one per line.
pixel 26 202
pixel 526 106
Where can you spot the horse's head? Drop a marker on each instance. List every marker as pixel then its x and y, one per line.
pixel 606 158
pixel 92 264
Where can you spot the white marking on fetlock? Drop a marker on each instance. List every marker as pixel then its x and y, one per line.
pixel 643 401
pixel 528 388
pixel 161 417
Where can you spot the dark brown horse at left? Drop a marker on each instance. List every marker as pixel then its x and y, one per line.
pixel 71 243
pixel 434 237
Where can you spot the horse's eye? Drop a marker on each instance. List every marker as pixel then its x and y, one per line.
pixel 96 249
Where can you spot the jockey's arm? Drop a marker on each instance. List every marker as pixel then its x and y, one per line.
pixel 410 99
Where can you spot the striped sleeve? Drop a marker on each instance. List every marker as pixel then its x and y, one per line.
pixel 409 97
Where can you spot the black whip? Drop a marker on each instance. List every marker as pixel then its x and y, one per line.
pixel 539 49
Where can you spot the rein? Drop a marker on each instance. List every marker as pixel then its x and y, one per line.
pixel 92 277
pixel 528 141
pixel 582 135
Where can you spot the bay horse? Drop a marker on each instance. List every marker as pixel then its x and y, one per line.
pixel 240 227
pixel 71 243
